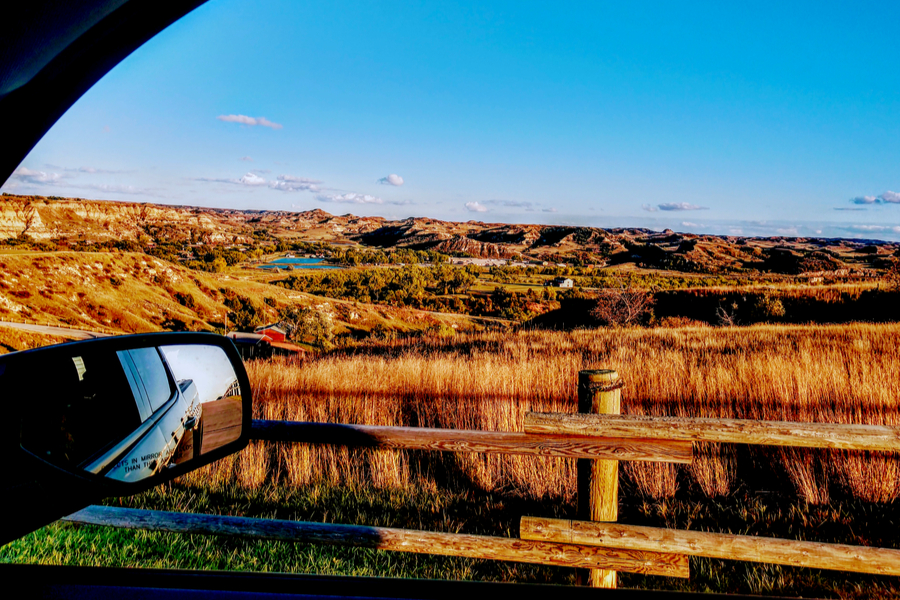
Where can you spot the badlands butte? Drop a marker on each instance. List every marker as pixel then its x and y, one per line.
pixel 131 267
pixel 65 221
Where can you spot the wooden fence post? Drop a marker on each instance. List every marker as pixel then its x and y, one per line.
pixel 599 392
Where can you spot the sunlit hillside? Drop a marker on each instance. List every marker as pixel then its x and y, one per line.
pixel 124 292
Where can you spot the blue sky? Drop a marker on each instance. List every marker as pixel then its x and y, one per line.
pixel 763 119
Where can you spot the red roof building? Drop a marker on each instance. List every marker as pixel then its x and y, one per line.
pixel 273 332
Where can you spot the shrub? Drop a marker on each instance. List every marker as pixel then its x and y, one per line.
pixel 243 312
pixel 442 330
pixel 727 315
pixel 768 308
pixel 315 327
pixel 185 299
pixel 307 325
pixel 619 307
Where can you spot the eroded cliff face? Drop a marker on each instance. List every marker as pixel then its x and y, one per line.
pixel 45 219
pixel 474 248
pixel 98 220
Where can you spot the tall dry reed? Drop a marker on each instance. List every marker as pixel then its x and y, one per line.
pixel 836 374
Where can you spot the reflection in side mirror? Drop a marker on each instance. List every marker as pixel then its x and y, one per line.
pixel 129 412
pixel 176 391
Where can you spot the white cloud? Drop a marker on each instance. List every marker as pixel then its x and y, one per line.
pixel 251 121
pixel 548 210
pixel 290 183
pixel 689 224
pixel 789 231
pixel 672 206
pixel 511 203
pixel 42 178
pixel 35 177
pixel 888 197
pixel 88 170
pixel 680 206
pixel 285 183
pixel 476 207
pixel 214 180
pixel 252 179
pixel 95 170
pixel 246 159
pixel 392 179
pixel 735 231
pixel 875 228
pixel 351 198
pixel 117 189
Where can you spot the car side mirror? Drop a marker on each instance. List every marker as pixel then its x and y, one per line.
pixel 114 416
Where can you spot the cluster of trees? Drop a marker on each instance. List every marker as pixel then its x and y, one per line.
pixel 23 241
pixel 213 259
pixel 216 259
pixel 408 285
pixel 653 281
pixel 307 325
pixel 509 304
pixel 26 242
pixel 318 248
pixel 244 312
pixel 440 287
pixel 403 256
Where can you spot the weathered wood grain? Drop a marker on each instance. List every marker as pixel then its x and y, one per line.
pixel 599 392
pixel 840 557
pixel 386 538
pixel 221 421
pixel 737 431
pixel 453 440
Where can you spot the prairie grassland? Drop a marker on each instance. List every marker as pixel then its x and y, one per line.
pixel 839 374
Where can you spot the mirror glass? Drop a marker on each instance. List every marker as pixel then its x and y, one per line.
pixel 128 414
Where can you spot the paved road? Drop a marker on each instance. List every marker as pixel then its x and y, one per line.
pixel 75 334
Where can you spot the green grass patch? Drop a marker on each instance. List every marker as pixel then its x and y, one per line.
pixel 844 521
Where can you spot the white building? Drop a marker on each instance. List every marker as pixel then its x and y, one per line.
pixel 561 282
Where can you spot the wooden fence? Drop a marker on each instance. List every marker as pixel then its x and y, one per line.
pixel 599 438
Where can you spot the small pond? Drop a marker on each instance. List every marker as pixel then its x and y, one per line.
pixel 298 263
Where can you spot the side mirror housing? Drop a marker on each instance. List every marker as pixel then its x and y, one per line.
pixel 112 417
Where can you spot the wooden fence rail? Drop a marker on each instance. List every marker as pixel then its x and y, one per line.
pixel 453 440
pixel 599 441
pixel 387 538
pixel 737 431
pixel 839 557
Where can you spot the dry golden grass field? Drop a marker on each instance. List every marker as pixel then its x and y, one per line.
pixel 840 374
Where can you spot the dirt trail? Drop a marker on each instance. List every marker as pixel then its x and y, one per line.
pixel 75 334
